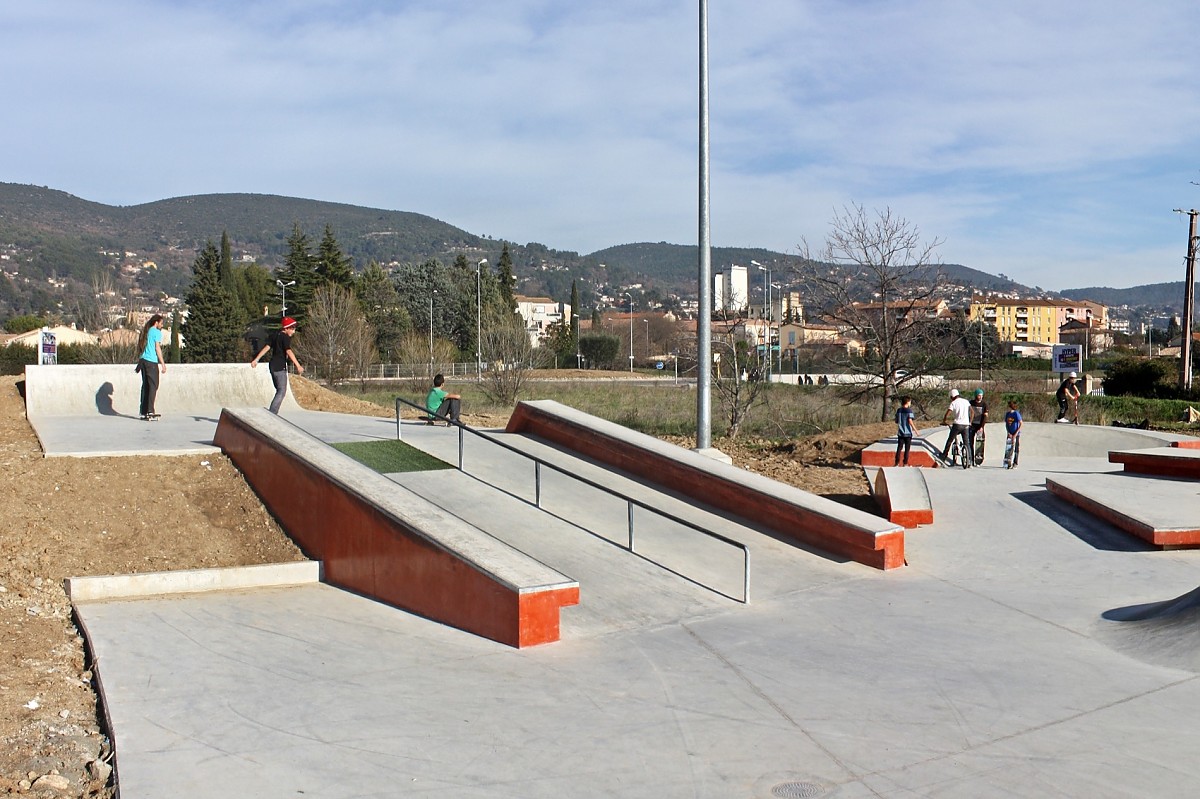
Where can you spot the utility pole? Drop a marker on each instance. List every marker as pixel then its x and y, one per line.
pixel 1189 299
pixel 704 309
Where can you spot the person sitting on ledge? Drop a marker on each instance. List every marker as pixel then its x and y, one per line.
pixel 441 404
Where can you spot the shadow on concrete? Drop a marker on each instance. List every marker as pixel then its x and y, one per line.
pixel 1094 532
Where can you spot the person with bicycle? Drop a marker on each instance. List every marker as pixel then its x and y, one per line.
pixel 979 417
pixel 958 416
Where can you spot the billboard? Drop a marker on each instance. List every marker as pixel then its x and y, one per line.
pixel 1067 358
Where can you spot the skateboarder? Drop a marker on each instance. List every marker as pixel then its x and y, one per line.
pixel 1012 444
pixel 1067 392
pixel 151 364
pixel 280 346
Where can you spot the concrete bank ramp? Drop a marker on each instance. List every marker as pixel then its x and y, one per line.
pixel 115 389
pixel 1164 633
pixel 1051 440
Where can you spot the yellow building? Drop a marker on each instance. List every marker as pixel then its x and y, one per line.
pixel 1019 320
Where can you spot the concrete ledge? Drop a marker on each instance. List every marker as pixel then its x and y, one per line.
pixel 116 390
pixel 1165 513
pixel 385 542
pixel 785 509
pixel 903 495
pixel 883 453
pixel 1187 443
pixel 132 586
pixel 1173 461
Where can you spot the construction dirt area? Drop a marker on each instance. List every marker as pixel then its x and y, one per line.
pixel 68 517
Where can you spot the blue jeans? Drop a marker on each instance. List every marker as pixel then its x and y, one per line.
pixel 279 380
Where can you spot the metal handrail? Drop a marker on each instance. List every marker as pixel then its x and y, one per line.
pixel 631 503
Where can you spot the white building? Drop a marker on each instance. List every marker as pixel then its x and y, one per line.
pixel 539 313
pixel 731 289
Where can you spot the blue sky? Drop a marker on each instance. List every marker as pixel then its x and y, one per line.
pixel 1046 141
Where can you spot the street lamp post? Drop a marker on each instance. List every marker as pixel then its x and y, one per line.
pixel 769 312
pixel 630 296
pixel 646 322
pixel 283 301
pixel 478 321
pixel 431 295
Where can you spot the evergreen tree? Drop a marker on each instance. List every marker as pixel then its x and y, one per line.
pixel 176 355
pixel 332 265
pixel 226 270
pixel 255 291
pixel 508 281
pixel 299 265
pixel 381 306
pixel 212 328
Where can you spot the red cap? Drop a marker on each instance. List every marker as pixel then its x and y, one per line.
pixel 288 322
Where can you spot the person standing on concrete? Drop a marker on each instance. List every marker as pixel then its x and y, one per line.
pixel 958 416
pixel 441 403
pixel 979 414
pixel 150 363
pixel 1012 426
pixel 904 429
pixel 280 346
pixel 1067 392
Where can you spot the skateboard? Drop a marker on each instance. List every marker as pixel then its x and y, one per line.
pixel 980 441
pixel 1011 447
pixel 152 417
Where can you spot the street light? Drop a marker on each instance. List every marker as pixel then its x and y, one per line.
pixel 478 323
pixel 431 295
pixel 283 302
pixel 646 322
pixel 630 296
pixel 768 314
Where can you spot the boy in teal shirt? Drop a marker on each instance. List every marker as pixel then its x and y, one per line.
pixel 441 403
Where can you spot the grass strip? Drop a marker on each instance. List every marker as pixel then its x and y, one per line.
pixel 389 456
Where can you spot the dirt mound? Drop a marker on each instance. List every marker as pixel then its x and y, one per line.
pixel 1163 633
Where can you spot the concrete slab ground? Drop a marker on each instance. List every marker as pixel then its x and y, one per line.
pixel 985 668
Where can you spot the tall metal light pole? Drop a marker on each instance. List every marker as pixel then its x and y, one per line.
pixel 283 302
pixel 1189 300
pixel 704 305
pixel 630 296
pixel 646 322
pixel 478 321
pixel 431 293
pixel 767 316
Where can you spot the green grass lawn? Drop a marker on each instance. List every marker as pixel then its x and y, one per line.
pixel 391 456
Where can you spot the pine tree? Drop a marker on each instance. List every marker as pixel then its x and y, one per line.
pixel 381 306
pixel 299 265
pixel 212 328
pixel 332 265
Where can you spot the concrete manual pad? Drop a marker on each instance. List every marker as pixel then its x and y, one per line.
pixel 1164 511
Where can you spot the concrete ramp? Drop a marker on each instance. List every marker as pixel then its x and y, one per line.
pixel 115 389
pixel 1164 633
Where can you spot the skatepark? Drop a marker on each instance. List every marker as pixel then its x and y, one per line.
pixel 1024 646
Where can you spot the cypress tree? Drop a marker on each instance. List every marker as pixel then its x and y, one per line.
pixel 508 281
pixel 299 265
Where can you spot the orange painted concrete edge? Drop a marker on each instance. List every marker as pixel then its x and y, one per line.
pixel 1158 538
pixel 887 551
pixel 477 605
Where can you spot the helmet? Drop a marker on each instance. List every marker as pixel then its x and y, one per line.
pixel 979 392
pixel 953 393
pixel 288 322
pixel 1072 375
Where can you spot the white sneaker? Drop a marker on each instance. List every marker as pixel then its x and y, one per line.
pixel 1062 421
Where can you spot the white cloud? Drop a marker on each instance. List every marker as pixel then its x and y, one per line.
pixel 1047 141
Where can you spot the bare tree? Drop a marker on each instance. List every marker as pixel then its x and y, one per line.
pixel 511 352
pixel 336 338
pixel 877 281
pixel 739 383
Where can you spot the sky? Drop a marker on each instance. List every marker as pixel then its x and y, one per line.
pixel 1050 142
